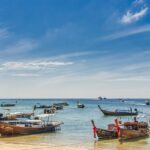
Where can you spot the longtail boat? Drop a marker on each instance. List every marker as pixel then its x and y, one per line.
pixel 147 102
pixel 122 131
pixel 132 130
pixel 119 112
pixel 38 106
pixel 63 103
pixel 7 105
pixel 25 127
pixel 57 107
pixel 79 105
pixel 110 133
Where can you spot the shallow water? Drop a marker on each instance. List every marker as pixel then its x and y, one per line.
pixel 77 128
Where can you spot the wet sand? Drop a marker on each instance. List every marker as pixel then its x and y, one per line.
pixel 24 146
pixel 101 145
pixel 116 145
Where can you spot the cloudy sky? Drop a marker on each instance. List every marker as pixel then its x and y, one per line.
pixel 74 48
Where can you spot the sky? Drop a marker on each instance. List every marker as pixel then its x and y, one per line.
pixel 74 48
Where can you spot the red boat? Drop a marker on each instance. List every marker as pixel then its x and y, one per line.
pixel 132 130
pixel 122 131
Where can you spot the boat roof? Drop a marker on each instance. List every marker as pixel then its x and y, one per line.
pixel 23 121
pixel 18 113
pixel 135 124
pixel 44 115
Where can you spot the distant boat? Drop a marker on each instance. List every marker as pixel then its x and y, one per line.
pixel 80 105
pixel 63 103
pixel 56 106
pixel 7 105
pixel 102 98
pixel 147 102
pixel 39 106
pixel 121 100
pixel 119 112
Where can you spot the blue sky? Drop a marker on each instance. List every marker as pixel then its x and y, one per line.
pixel 74 48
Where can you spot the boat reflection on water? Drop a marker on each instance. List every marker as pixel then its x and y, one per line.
pixel 113 144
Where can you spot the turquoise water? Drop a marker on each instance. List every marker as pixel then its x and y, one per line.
pixel 77 128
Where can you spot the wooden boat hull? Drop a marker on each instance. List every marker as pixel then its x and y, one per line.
pixel 106 134
pixel 59 104
pixel 110 113
pixel 8 105
pixel 57 107
pixel 110 133
pixel 12 130
pixel 126 134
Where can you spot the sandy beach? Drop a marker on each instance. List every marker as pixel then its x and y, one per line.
pixel 24 146
pixel 97 146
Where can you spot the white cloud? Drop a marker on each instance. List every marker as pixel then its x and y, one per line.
pixel 130 17
pixel 76 54
pixel 127 33
pixel 32 65
pixel 136 11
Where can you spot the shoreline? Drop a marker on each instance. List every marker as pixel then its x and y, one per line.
pixel 111 145
pixel 33 146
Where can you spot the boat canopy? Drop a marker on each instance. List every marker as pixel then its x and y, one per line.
pixel 21 121
pixel 44 115
pixel 139 124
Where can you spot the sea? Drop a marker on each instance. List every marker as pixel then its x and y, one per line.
pixel 77 127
